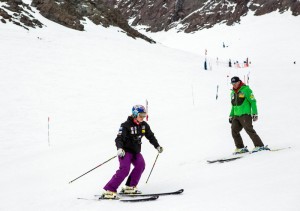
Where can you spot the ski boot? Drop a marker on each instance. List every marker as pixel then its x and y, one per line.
pixel 240 150
pixel 109 195
pixel 130 190
pixel 257 149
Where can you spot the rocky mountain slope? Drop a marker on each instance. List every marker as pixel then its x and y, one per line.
pixel 19 13
pixel 70 13
pixel 154 15
pixel 191 15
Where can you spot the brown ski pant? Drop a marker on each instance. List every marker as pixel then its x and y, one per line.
pixel 240 122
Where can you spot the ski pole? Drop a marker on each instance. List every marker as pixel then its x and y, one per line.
pixel 152 168
pixel 92 169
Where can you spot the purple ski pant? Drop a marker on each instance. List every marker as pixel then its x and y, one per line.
pixel 137 161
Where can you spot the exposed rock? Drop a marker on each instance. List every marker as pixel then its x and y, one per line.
pixel 59 12
pixel 19 13
pixel 191 15
pixel 154 15
pixel 281 6
pixel 70 13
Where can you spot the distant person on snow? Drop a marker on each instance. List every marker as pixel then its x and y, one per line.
pixel 128 142
pixel 205 65
pixel 242 113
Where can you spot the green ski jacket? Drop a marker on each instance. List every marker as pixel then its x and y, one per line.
pixel 243 102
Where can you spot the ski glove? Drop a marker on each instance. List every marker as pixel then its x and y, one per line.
pixel 121 152
pixel 160 149
pixel 254 117
pixel 230 119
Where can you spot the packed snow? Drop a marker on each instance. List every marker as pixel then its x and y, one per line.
pixel 86 84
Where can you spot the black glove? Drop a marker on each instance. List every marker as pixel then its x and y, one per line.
pixel 230 119
pixel 254 117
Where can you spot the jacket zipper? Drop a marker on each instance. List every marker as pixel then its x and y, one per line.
pixel 236 96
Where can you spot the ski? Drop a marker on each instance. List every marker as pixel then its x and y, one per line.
pixel 278 149
pixel 154 194
pixel 150 198
pixel 143 199
pixel 238 156
pixel 223 160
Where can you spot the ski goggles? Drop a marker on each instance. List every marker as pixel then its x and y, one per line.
pixel 142 115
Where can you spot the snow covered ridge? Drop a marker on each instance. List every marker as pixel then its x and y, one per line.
pixel 159 15
pixel 70 14
pixel 154 15
pixel 19 13
pixel 190 15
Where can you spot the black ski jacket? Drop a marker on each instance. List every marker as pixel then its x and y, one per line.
pixel 130 136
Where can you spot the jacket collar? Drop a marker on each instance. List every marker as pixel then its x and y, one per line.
pixel 130 118
pixel 239 87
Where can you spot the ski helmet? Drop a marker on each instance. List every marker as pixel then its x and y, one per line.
pixel 138 109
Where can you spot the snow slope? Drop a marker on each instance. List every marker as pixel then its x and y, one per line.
pixel 87 82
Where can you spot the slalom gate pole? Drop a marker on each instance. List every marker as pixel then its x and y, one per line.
pixel 217 95
pixel 152 168
pixel 147 111
pixel 193 94
pixel 49 131
pixel 92 169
